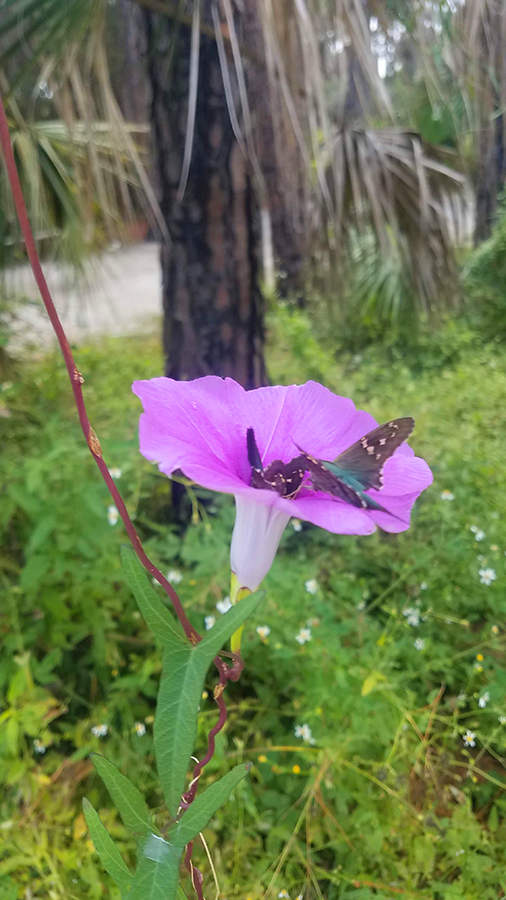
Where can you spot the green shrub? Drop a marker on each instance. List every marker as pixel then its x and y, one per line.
pixel 388 796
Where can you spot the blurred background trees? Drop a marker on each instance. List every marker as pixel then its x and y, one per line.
pixel 334 154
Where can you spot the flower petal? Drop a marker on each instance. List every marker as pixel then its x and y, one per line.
pixel 256 537
pixel 333 515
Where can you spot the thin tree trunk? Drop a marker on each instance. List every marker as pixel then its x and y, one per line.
pixel 213 314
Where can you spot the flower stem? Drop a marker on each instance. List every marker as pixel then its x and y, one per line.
pixel 237 593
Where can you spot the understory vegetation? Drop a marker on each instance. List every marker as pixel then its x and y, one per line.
pixel 378 744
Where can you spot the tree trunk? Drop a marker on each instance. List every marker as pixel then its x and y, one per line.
pixel 490 92
pixel 213 314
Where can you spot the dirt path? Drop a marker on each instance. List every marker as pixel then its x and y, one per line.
pixel 120 294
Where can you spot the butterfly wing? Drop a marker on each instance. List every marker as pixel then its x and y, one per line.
pixel 324 480
pixel 363 461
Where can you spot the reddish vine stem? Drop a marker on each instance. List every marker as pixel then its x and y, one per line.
pixel 195 874
pixel 226 672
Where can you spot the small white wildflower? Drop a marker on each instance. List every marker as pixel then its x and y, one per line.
pixel 100 730
pixel 473 528
pixel 482 702
pixel 412 615
pixel 174 577
pixel 479 535
pixel 311 586
pixel 481 558
pixel 115 473
pixel 447 495
pixel 304 732
pixel 477 666
pixel 460 852
pixel 487 576
pixel 299 897
pixel 502 720
pixel 303 636
pixel 296 525
pixel 140 729
pixel 495 629
pixel 224 605
pixel 39 747
pixel 462 697
pixel 283 895
pixel 469 739
pixel 209 621
pixel 112 514
pixel 263 631
pixel 424 586
pixel 361 606
pixel 419 644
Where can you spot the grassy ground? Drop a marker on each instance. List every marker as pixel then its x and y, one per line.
pixel 406 655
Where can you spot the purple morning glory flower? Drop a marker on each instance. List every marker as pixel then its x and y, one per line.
pixel 200 427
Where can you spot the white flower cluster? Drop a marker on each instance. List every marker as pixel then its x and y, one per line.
pixel 311 586
pixel 174 577
pixel 487 576
pixel 412 615
pixel 100 730
pixel 112 515
pixel 224 605
pixel 304 732
pixel 469 739
pixel 303 636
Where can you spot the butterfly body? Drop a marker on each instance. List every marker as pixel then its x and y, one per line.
pixel 284 478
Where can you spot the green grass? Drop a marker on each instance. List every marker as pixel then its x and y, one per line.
pixel 388 802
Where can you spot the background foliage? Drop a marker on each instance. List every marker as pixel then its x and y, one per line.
pixel 388 800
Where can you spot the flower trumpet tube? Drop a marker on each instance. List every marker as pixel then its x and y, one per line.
pixel 298 451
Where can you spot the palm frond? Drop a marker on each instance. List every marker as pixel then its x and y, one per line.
pixel 390 185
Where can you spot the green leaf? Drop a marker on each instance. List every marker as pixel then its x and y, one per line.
pixel 227 625
pixel 110 856
pixel 205 805
pixel 156 615
pixel 184 671
pixel 157 871
pixel 128 800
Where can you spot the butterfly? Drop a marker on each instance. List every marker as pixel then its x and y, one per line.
pixel 284 478
pixel 360 467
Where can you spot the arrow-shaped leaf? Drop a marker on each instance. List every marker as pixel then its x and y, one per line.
pixel 157 870
pixel 155 613
pixel 110 856
pixel 128 800
pixel 205 805
pixel 184 671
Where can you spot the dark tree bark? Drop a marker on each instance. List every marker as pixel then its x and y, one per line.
pixel 490 91
pixel 213 315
